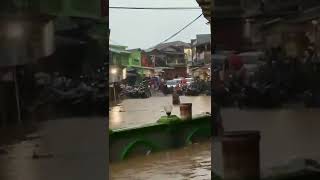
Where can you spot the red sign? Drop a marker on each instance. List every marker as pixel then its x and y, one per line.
pixel 146 61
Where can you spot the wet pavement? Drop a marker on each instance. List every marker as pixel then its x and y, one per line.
pixel 286 134
pixel 73 148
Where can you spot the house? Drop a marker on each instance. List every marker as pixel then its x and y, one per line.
pixel 293 31
pixel 141 63
pixel 201 49
pixel 118 61
pixel 201 56
pixel 170 58
pixel 237 21
pixel 263 27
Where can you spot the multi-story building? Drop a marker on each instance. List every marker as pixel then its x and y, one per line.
pixel 170 58
pixel 201 56
pixel 118 61
pixel 240 24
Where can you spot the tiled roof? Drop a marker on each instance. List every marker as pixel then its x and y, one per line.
pixel 173 44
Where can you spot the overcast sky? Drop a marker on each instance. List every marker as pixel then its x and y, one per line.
pixel 146 28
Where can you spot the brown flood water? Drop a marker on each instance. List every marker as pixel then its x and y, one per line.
pixel 192 162
pixel 137 112
pixel 77 145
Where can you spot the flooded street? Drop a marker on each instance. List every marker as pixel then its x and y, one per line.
pixel 137 112
pixel 73 148
pixel 192 162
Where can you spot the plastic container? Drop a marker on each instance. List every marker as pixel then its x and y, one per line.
pixel 241 155
pixel 186 111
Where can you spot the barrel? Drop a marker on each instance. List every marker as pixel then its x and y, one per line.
pixel 241 155
pixel 186 111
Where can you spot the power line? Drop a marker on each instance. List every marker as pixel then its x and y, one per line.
pixel 155 8
pixel 175 34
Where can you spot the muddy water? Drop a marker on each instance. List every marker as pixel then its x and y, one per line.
pixel 192 162
pixel 77 147
pixel 136 112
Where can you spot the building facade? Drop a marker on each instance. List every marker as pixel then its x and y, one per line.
pixel 118 61
pixel 170 59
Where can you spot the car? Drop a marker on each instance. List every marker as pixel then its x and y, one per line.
pixel 189 81
pixel 172 83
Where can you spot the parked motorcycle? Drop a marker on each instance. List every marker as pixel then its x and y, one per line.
pixel 262 96
pixel 140 91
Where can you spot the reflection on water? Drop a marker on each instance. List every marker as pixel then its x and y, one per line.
pixel 135 112
pixel 192 162
pixel 286 133
pixel 78 146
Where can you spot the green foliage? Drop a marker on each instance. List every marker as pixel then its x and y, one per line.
pixel 169 120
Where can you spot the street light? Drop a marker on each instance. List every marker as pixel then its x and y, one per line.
pixel 113 71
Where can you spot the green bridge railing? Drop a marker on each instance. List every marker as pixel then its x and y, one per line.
pixel 165 134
